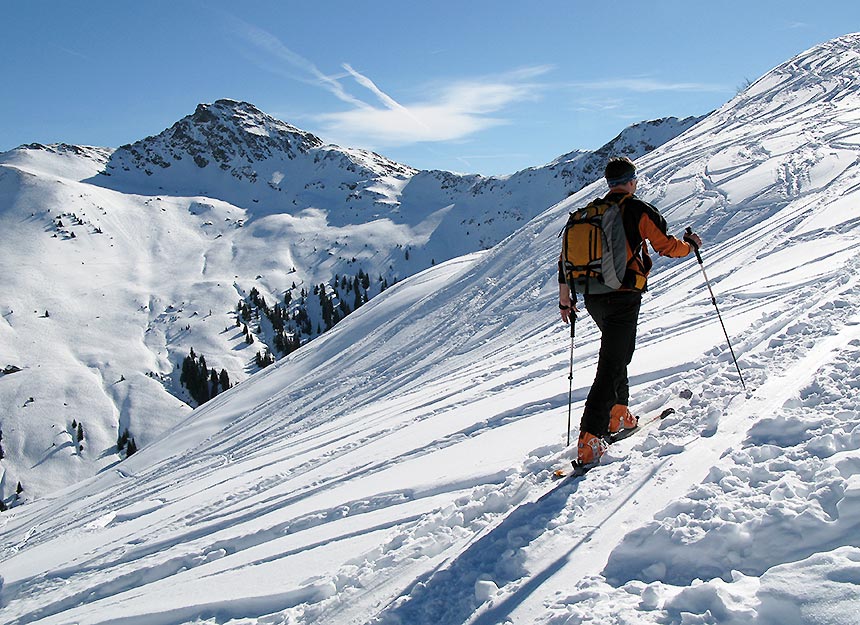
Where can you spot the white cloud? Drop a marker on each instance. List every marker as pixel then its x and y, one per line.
pixel 644 85
pixel 452 111
pixel 367 83
pixel 279 59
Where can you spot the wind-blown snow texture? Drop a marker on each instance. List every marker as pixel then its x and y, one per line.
pixel 396 470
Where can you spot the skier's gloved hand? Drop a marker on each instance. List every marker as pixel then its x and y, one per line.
pixel 692 238
pixel 568 309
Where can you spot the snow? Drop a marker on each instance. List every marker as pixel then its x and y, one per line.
pixel 398 468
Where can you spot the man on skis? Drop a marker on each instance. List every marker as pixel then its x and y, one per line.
pixel 616 311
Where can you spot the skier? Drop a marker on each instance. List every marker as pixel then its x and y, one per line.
pixel 616 313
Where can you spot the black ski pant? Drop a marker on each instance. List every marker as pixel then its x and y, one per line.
pixel 616 314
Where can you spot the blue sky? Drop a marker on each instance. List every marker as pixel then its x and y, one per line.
pixel 470 86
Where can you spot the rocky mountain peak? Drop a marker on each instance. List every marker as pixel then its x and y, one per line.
pixel 239 142
pixel 226 133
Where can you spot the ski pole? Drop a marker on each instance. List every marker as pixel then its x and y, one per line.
pixel 714 302
pixel 570 374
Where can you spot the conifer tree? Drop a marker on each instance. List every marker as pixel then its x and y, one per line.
pixel 277 318
pixel 213 383
pixel 263 360
pixel 201 382
pixel 122 440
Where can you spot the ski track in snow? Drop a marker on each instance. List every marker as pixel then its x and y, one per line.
pixel 778 496
pixel 567 518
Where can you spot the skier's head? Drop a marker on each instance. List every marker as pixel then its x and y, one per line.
pixel 620 170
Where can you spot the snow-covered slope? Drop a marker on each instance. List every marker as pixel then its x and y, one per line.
pixel 118 263
pixel 396 470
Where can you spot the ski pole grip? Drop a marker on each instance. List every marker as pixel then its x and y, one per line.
pixel 693 244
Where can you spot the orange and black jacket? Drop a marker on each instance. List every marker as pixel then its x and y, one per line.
pixel 642 222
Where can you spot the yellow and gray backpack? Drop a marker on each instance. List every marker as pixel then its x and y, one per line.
pixel 594 252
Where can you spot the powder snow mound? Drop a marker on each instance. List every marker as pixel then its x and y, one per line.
pixel 61 159
pixel 795 128
pixel 827 72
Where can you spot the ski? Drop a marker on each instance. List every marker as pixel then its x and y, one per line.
pixel 579 469
pixel 620 436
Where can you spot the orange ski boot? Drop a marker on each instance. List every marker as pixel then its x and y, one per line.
pixel 620 419
pixel 589 449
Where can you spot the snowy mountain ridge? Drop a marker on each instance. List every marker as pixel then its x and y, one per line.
pixel 250 146
pixel 290 170
pixel 415 486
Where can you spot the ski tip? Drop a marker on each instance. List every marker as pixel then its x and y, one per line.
pixel 577 469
